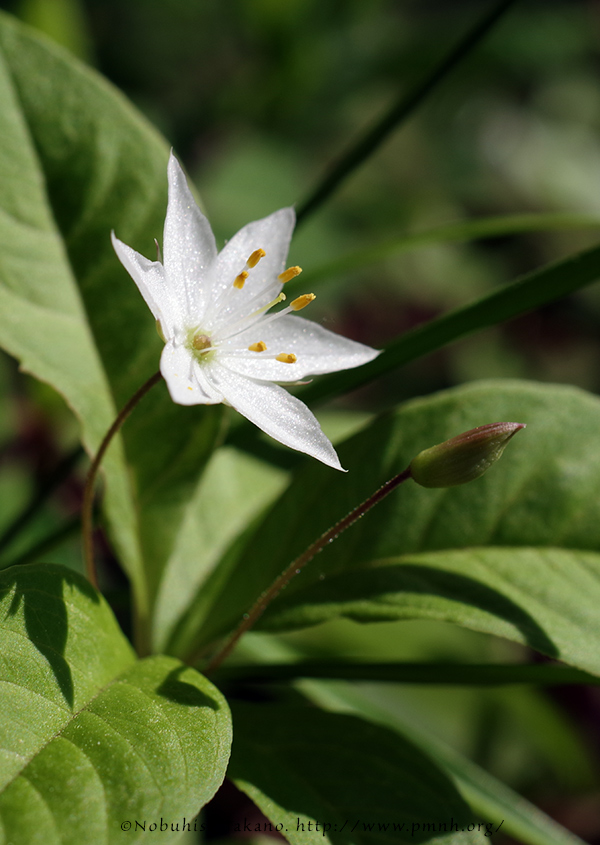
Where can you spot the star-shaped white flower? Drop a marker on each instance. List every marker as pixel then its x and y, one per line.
pixel 221 342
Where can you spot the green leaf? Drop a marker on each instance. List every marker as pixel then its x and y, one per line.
pixel 62 20
pixel 91 738
pixel 306 770
pixel 542 597
pixel 234 484
pixel 513 553
pixel 76 161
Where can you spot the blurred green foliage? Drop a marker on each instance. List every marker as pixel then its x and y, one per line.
pixel 257 96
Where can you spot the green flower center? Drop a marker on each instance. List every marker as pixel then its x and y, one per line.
pixel 199 343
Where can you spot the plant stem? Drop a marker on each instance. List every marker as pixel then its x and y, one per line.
pixel 88 492
pixel 259 607
pixel 400 110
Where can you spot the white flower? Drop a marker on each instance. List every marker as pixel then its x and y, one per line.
pixel 221 344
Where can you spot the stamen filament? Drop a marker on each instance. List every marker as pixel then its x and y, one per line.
pixel 248 319
pixel 280 298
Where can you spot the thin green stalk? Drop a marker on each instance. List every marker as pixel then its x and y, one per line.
pixel 359 152
pixel 452 674
pixel 88 492
pixel 523 295
pixel 296 566
pixel 455 232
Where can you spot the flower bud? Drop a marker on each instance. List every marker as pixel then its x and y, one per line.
pixel 463 458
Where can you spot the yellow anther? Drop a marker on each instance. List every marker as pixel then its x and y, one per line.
pixel 255 258
pixel 302 301
pixel 286 358
pixel 240 280
pixel 201 341
pixel 261 346
pixel 289 274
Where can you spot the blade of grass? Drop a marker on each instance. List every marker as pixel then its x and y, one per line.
pixel 524 294
pixel 452 674
pixel 456 232
pixel 359 152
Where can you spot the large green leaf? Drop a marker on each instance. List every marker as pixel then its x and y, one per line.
pixel 546 598
pixel 76 161
pixel 91 738
pixel 513 553
pixel 235 485
pixel 326 777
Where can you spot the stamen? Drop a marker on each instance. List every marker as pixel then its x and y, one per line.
pixel 261 346
pixel 255 258
pixel 289 274
pixel 240 280
pixel 286 358
pixel 302 301
pixel 201 341
pixel 243 322
pixel 273 302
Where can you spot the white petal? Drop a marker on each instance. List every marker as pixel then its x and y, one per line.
pixel 317 350
pixel 149 276
pixel 185 379
pixel 275 411
pixel 188 244
pixel 273 235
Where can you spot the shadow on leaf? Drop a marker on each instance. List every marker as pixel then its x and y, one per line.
pixel 182 692
pixel 38 592
pixel 387 592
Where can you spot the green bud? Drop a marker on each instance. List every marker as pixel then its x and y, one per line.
pixel 463 458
